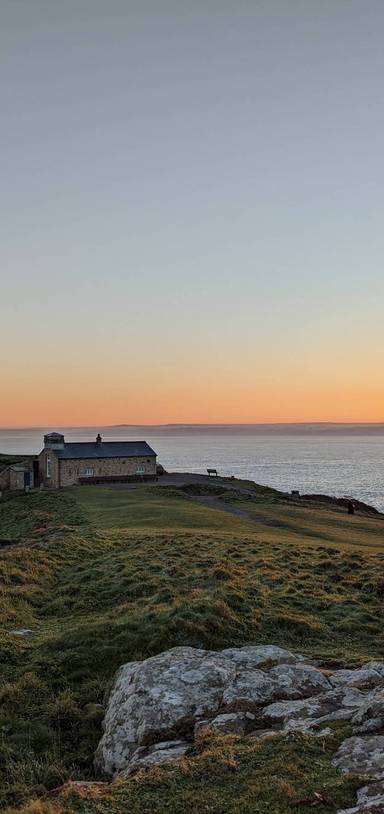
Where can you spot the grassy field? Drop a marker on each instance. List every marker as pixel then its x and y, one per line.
pixel 104 576
pixel 151 509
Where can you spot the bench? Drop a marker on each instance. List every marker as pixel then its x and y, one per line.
pixel 212 472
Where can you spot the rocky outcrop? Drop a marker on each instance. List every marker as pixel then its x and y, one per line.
pixel 262 657
pixel 370 715
pixel 370 798
pixel 158 706
pixel 299 681
pixel 159 699
pixel 235 723
pixel 362 755
pixel 364 678
pixel 146 756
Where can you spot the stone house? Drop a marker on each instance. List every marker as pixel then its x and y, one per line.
pixel 66 464
pixel 17 476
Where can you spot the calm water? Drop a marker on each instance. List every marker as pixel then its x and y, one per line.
pixel 340 465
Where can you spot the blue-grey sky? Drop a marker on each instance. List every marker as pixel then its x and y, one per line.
pixel 192 210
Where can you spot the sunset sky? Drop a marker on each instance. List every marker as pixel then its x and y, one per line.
pixel 192 199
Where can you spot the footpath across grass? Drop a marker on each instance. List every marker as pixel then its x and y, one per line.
pixel 106 576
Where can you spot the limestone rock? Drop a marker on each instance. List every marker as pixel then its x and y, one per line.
pixel 298 681
pixel 370 798
pixel 362 679
pixel 371 795
pixel 260 656
pixel 153 699
pixel 362 755
pixel 279 713
pixel 249 690
pixel 145 757
pixel 353 697
pixel 378 666
pixel 237 723
pixel 370 715
pixel 156 706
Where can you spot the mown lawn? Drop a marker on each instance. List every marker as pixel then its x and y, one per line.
pixel 105 576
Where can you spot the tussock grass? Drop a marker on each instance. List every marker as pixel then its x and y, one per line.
pixel 274 776
pixel 104 576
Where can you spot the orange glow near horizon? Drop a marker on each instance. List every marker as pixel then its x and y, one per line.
pixel 246 372
pixel 166 397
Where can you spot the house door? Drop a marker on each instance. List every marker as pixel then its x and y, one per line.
pixel 36 475
pixel 27 479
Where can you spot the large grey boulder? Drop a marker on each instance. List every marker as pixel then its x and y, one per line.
pixel 362 755
pixel 154 699
pixel 157 706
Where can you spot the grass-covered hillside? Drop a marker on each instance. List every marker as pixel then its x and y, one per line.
pixel 104 576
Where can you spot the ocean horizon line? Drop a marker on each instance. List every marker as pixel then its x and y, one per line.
pixel 274 427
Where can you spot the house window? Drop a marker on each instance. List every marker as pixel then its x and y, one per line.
pixel 140 470
pixel 88 472
pixel 48 469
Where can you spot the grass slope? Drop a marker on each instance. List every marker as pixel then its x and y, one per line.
pixel 104 576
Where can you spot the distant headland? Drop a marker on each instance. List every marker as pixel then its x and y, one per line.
pixel 302 428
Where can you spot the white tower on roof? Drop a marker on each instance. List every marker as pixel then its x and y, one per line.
pixel 54 440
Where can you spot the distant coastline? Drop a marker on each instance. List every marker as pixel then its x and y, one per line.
pixel 304 428
pixel 297 428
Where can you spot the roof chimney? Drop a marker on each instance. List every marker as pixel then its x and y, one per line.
pixel 98 438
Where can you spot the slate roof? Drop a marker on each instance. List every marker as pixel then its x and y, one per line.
pixel 107 449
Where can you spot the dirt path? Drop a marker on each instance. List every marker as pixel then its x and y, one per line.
pixel 216 503
pixel 180 479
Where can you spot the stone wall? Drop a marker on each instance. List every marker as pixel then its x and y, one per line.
pixel 72 470
pixel 53 481
pixel 4 479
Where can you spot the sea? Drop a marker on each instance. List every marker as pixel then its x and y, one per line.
pixel 341 460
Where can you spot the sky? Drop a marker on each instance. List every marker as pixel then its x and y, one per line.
pixel 192 201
